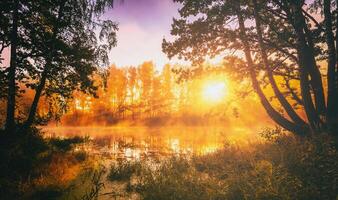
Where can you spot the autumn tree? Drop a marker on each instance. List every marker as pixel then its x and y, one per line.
pixel 112 89
pixel 121 92
pixel 156 97
pixel 134 89
pixel 146 73
pixel 167 79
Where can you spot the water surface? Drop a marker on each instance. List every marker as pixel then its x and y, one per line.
pixel 142 142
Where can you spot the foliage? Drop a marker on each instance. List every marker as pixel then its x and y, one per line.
pixel 35 168
pixel 81 156
pixel 140 95
pixel 123 170
pixel 178 179
pixel 54 49
pixel 276 44
pixel 65 144
pixel 97 185
pixel 18 158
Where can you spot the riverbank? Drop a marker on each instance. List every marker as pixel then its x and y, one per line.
pixel 283 167
pixel 279 166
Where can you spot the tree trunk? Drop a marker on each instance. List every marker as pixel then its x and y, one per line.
pixel 45 73
pixel 307 67
pixel 10 119
pixel 316 77
pixel 34 106
pixel 334 117
pixel 336 81
pixel 332 99
pixel 337 46
pixel 309 107
pixel 277 117
pixel 286 105
pixel 305 44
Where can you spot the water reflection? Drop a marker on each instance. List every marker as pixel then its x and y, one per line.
pixel 142 142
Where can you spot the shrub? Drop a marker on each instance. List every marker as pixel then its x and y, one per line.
pixel 123 170
pixel 19 154
pixel 65 144
pixel 46 193
pixel 32 167
pixel 80 156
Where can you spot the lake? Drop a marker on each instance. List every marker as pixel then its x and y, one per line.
pixel 148 142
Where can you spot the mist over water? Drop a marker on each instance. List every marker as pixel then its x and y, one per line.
pixel 140 142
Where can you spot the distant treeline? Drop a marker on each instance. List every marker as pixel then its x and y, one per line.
pixel 140 93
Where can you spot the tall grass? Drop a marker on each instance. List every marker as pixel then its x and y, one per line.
pixel 123 170
pixel 36 168
pixel 281 168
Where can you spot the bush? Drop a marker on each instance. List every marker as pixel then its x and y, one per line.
pixel 65 144
pixel 31 167
pixel 80 156
pixel 123 170
pixel 46 193
pixel 19 154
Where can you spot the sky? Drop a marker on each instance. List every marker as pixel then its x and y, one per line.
pixel 142 26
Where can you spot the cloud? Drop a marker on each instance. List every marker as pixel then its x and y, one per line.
pixel 142 26
pixel 136 45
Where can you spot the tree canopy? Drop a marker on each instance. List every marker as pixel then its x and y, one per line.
pixel 281 44
pixel 55 48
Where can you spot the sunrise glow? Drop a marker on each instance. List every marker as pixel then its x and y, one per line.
pixel 168 99
pixel 214 92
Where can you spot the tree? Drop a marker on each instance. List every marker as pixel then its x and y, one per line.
pixel 57 50
pixel 121 90
pixel 10 37
pixel 167 87
pixel 111 89
pixel 278 40
pixel 133 89
pixel 156 96
pixel 146 73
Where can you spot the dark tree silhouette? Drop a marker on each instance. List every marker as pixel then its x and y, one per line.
pixel 54 46
pixel 279 38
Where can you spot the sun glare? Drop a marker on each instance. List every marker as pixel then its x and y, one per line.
pixel 214 91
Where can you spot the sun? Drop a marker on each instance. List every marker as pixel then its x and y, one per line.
pixel 214 91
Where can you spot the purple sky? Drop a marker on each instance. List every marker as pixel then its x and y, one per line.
pixel 142 26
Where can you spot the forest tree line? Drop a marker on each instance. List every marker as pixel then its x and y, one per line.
pixel 135 94
pixel 144 93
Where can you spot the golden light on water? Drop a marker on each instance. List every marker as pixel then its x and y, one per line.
pixel 215 91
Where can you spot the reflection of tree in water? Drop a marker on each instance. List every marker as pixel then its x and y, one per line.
pixel 149 147
pixel 142 143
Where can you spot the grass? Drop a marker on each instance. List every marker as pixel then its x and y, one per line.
pixel 123 170
pixel 35 168
pixel 281 168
